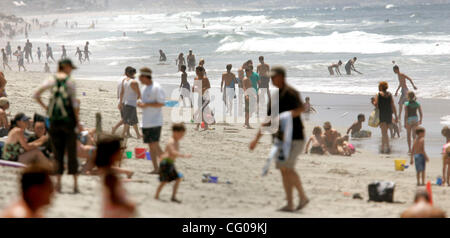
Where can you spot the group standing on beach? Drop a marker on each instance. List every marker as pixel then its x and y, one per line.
pixel 26 53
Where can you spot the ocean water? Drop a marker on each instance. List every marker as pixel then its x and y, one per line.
pixel 304 40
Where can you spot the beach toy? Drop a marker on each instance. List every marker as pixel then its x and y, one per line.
pixel 430 194
pixel 352 147
pixel 171 103
pixel 129 154
pixel 213 179
pixel 139 153
pixel 148 156
pixel 203 124
pixel 439 181
pixel 400 164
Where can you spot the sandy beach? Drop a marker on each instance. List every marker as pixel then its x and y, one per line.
pixel 241 191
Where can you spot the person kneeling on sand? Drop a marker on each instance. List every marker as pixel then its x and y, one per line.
pixel 36 192
pixel 422 207
pixel 317 141
pixel 167 170
pixel 355 129
pixel 289 101
pixel 115 202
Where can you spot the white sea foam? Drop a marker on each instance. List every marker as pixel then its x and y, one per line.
pixel 350 42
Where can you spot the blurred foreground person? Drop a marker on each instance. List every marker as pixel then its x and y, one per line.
pixel 37 191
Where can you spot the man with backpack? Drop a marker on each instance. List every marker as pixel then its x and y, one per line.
pixel 63 114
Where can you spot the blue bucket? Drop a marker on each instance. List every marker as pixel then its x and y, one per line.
pixel 171 103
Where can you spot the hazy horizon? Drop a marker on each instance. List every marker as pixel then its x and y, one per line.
pixel 66 6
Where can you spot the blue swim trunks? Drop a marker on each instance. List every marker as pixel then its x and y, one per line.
pixel 419 161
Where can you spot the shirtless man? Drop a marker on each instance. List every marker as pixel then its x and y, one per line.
pixel 335 67
pixel 191 61
pixel 201 84
pixel 246 85
pixel 402 84
pixel 263 71
pixel 227 87
pixel 350 65
pixel 241 75
pixel 422 207
pixel 330 136
pixel 36 192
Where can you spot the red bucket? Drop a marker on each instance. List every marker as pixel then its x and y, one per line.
pixel 140 153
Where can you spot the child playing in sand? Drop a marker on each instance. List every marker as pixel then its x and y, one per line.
pixel 342 147
pixel 355 129
pixel 308 107
pixel 318 143
pixel 418 155
pixel 167 171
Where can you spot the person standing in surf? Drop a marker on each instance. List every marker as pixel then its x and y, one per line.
pixel 350 65
pixel 86 52
pixel 263 70
pixel 402 84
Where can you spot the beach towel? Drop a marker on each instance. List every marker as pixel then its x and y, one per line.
pixel 281 148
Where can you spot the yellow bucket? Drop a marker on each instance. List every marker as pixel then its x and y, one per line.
pixel 400 164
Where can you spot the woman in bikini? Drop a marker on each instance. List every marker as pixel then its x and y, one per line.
pixel 18 150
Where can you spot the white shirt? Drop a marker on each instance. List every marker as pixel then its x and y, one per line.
pixel 152 116
pixel 129 95
pixel 119 87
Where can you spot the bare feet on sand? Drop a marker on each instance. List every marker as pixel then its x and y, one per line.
pixel 175 200
pixel 287 208
pixel 302 204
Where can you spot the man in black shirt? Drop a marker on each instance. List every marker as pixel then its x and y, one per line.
pixel 289 100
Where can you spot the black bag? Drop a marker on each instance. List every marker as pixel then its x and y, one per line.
pixel 381 191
